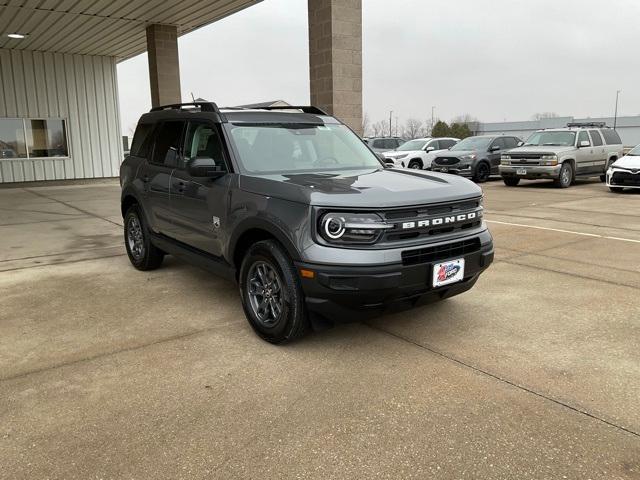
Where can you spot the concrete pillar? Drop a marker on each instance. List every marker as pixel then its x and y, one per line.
pixel 164 68
pixel 335 58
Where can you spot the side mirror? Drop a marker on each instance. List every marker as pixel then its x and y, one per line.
pixel 494 148
pixel 430 149
pixel 205 167
pixel 520 143
pixel 584 143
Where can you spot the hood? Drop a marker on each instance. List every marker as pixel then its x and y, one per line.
pixel 363 188
pixel 457 153
pixel 628 161
pixel 540 149
pixel 402 153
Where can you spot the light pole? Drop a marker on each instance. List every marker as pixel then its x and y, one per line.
pixel 390 114
pixel 615 116
pixel 433 118
pixel 396 127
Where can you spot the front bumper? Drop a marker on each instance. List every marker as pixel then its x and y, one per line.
pixel 462 169
pixel 351 293
pixel 623 179
pixel 532 171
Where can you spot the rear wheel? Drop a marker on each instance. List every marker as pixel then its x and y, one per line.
pixel 482 173
pixel 271 293
pixel 415 164
pixel 565 178
pixel 142 254
pixel 616 189
pixel 511 181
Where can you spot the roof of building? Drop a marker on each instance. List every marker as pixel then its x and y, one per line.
pixel 104 27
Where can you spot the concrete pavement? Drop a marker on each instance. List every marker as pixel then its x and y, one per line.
pixel 107 372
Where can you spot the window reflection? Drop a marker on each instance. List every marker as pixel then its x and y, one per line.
pixel 12 138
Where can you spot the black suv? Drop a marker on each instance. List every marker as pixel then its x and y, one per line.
pixel 294 206
pixel 475 157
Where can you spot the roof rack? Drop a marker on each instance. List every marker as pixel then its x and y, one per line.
pixel 204 107
pixel 305 109
pixel 587 124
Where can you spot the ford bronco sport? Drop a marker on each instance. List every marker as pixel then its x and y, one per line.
pixel 296 208
pixel 562 154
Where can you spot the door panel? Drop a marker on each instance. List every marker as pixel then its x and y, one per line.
pixel 599 152
pixel 199 205
pixel 584 155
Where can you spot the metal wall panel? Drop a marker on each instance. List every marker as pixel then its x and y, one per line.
pixel 81 89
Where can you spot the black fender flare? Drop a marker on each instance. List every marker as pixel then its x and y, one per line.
pixel 259 223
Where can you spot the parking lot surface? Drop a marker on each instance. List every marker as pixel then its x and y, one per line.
pixel 108 372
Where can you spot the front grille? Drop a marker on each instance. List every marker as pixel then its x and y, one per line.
pixel 626 178
pixel 532 156
pixel 440 252
pixel 399 216
pixel 446 160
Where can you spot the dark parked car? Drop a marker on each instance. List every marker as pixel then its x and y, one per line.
pixel 475 157
pixel 292 205
pixel 384 144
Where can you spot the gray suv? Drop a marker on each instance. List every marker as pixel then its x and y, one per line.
pixel 562 154
pixel 295 208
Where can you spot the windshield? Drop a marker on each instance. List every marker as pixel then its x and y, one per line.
pixel 472 143
pixel 635 151
pixel 412 145
pixel 287 148
pixel 559 139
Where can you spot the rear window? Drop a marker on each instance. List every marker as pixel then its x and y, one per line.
pixel 611 137
pixel 597 139
pixel 141 140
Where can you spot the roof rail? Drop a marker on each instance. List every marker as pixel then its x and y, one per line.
pixel 587 124
pixel 305 109
pixel 204 107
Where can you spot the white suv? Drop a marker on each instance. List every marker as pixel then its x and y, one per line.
pixel 420 152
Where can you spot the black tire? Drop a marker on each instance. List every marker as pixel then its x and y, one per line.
pixel 603 178
pixel 565 177
pixel 616 189
pixel 277 314
pixel 142 254
pixel 511 181
pixel 415 164
pixel 482 172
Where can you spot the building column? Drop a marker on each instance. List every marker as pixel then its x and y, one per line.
pixel 335 58
pixel 164 68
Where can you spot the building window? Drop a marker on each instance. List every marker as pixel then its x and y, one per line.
pixel 33 138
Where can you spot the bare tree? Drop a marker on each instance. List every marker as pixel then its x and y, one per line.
pixel 543 115
pixel 464 119
pixel 366 123
pixel 380 128
pixel 412 128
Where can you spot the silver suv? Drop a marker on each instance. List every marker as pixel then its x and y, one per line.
pixel 562 154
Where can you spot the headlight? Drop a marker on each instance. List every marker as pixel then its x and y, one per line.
pixel 468 157
pixel 610 170
pixel 402 156
pixel 549 160
pixel 505 157
pixel 351 228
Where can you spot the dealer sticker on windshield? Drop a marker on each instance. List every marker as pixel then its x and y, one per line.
pixel 448 272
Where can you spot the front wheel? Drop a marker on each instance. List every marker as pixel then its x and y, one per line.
pixel 511 181
pixel 415 164
pixel 271 293
pixel 482 173
pixel 565 178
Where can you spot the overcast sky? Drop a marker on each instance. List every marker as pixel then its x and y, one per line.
pixel 494 60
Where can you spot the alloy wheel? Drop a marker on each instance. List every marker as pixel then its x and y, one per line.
pixel 264 288
pixel 135 237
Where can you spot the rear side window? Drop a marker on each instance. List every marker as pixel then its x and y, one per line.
pixel 595 136
pixel 142 140
pixel 378 143
pixel 510 142
pixel 447 143
pixel 611 137
pixel 167 146
pixel 391 143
